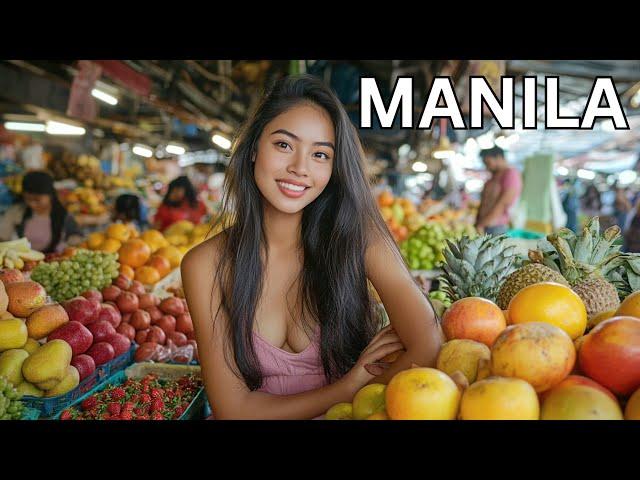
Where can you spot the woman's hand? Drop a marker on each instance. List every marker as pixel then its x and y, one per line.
pixel 368 365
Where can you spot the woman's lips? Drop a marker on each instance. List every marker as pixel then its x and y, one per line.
pixel 291 190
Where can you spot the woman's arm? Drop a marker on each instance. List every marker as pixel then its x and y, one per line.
pixel 410 313
pixel 229 396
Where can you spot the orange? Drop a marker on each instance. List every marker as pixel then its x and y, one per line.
pixel 147 275
pixel 118 231
pixel 385 199
pixel 94 240
pixel 422 394
pixel 551 303
pixel 133 231
pixel 172 254
pixel 127 271
pixel 499 398
pixel 154 239
pixel 110 245
pixel 161 264
pixel 473 318
pixel 630 307
pixel 134 253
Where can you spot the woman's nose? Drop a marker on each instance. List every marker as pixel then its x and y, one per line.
pixel 298 165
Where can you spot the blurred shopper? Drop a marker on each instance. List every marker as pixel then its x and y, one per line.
pixel 180 203
pixel 571 204
pixel 621 206
pixel 500 193
pixel 592 202
pixel 40 216
pixel 130 209
pixel 632 235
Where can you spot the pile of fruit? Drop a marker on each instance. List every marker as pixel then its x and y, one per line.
pixel 151 398
pixel 84 270
pixel 146 257
pixel 11 407
pixel 19 254
pixel 86 201
pixel 400 214
pixel 553 337
pixel 84 168
pixel 185 235
pixel 423 250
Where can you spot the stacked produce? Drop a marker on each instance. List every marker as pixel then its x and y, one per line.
pixel 162 329
pixel 400 214
pixel 84 270
pixel 148 399
pixel 18 254
pixel 423 250
pixel 84 168
pixel 11 407
pixel 86 201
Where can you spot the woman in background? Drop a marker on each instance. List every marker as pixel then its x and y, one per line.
pixel 40 216
pixel 129 209
pixel 180 203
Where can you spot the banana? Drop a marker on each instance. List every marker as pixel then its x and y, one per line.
pixel 3 251
pixel 32 255
pixel 8 263
pixel 19 263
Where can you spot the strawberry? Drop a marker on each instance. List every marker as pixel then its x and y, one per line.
pixel 118 393
pixel 157 405
pixel 156 393
pixel 157 416
pixel 128 407
pixel 113 408
pixel 179 412
pixel 145 398
pixel 143 417
pixel 89 403
pixel 126 415
pixel 66 415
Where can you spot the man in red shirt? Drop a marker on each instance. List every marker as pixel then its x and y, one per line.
pixel 500 193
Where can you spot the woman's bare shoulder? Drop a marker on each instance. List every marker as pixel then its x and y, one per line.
pixel 202 260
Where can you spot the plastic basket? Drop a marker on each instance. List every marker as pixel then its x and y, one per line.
pixel 49 407
pixel 30 414
pixel 524 234
pixel 196 410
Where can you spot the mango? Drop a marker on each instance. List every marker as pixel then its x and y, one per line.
pixel 68 383
pixel 13 334
pixel 4 299
pixel 48 365
pixel 11 365
pixel 45 320
pixel 25 298
pixel 31 345
pixel 26 388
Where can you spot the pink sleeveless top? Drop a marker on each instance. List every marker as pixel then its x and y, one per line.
pixel 287 373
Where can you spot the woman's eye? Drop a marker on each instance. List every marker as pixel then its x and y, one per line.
pixel 322 155
pixel 282 144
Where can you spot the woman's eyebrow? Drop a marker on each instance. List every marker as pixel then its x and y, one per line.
pixel 295 137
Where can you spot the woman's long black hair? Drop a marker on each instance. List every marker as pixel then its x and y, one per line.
pixel 336 229
pixel 189 191
pixel 41 183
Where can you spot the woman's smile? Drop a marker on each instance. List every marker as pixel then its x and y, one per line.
pixel 292 189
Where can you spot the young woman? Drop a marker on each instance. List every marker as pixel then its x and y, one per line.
pixel 284 320
pixel 180 203
pixel 40 216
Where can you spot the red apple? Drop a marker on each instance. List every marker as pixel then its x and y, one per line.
pixel 75 334
pixel 141 336
pixel 191 335
pixel 167 323
pixel 127 302
pixel 97 306
pixel 155 313
pixel 122 282
pixel 178 338
pixel 101 352
pixel 172 306
pixel 127 330
pixel 81 310
pixel 126 317
pixel 156 334
pixel 102 330
pixel 120 344
pixel 184 323
pixel 84 364
pixel 137 288
pixel 92 295
pixel 147 300
pixel 140 320
pixel 111 314
pixel 145 351
pixel 111 292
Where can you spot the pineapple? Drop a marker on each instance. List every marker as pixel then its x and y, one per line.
pixel 477 267
pixel 533 272
pixel 586 261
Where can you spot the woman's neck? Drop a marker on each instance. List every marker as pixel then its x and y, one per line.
pixel 282 230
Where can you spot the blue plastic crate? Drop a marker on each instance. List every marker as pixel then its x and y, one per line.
pixel 118 363
pixel 196 410
pixel 524 234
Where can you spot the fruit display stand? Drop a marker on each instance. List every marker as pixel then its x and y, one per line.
pixel 198 408
pixel 49 407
